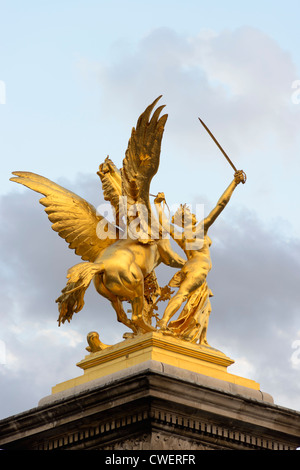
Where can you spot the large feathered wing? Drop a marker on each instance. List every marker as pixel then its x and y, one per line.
pixel 142 158
pixel 75 220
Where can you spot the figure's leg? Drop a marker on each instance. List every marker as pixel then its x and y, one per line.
pixel 172 307
pixel 186 288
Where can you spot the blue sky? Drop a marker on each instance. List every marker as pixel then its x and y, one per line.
pixel 77 76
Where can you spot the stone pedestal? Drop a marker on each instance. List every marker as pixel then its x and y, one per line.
pixel 156 346
pixel 154 393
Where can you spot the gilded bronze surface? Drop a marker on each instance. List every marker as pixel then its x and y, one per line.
pixel 120 257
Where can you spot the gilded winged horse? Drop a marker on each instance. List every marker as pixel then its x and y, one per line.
pixel 121 264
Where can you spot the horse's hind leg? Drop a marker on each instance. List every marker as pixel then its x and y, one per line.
pixel 115 302
pixel 121 315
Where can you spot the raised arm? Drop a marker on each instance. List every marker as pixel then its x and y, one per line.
pixel 239 177
pixel 163 221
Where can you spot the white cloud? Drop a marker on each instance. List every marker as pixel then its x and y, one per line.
pixel 69 338
pixel 239 80
pixel 255 277
pixel 243 368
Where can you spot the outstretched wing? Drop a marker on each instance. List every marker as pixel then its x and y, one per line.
pixel 75 220
pixel 142 157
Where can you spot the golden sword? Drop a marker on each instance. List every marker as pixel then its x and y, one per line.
pixel 222 150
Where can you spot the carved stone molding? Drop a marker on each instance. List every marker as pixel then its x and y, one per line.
pixel 147 409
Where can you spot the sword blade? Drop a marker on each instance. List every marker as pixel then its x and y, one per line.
pixel 217 143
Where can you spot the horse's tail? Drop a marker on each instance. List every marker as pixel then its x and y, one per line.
pixel 79 278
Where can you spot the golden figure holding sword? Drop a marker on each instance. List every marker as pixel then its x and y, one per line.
pixel 120 257
pixel 192 276
pixel 191 279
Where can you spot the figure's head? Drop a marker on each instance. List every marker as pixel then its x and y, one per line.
pixel 183 217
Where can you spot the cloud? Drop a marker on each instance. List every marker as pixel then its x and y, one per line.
pixel 241 82
pixel 36 353
pixel 255 305
pixel 237 80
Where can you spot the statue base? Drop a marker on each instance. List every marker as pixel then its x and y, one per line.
pixel 156 346
pixel 126 402
pixel 153 407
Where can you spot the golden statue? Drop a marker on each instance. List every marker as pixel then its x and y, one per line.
pixel 191 279
pixel 120 257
